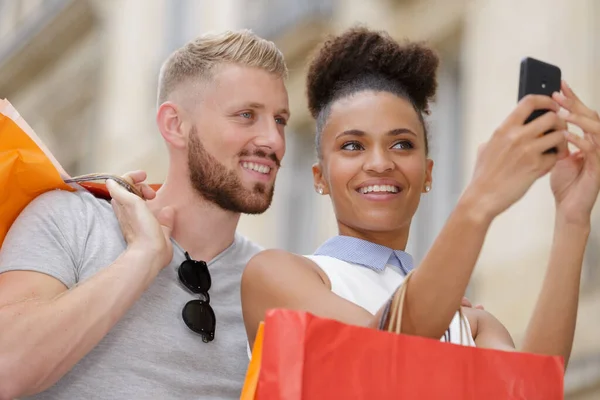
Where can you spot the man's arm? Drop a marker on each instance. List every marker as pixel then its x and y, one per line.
pixel 46 328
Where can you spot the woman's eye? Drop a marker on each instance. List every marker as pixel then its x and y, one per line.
pixel 281 121
pixel 352 146
pixel 246 114
pixel 404 145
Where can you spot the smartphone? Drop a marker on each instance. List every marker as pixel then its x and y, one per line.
pixel 538 77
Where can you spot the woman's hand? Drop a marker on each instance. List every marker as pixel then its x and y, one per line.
pixel 467 303
pixel 515 156
pixel 575 180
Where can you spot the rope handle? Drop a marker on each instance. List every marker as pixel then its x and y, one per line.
pixel 103 177
pixel 395 307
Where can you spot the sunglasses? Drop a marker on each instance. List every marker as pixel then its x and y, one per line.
pixel 197 314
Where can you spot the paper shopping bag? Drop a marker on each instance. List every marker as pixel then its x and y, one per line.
pixel 26 171
pixel 249 389
pixel 306 357
pixel 7 109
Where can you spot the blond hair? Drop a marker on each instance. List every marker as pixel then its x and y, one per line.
pixel 200 56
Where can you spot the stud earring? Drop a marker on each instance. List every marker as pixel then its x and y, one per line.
pixel 320 190
pixel 427 188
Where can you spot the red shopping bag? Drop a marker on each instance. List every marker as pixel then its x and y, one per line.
pixel 297 355
pixel 306 357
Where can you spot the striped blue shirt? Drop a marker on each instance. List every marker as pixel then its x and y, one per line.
pixel 367 254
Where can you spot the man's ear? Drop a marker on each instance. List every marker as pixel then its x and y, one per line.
pixel 168 120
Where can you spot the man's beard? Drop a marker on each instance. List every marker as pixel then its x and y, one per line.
pixel 213 181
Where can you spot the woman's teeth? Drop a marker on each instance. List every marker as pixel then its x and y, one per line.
pixel 379 189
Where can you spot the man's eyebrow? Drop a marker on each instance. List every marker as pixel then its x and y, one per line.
pixel 260 106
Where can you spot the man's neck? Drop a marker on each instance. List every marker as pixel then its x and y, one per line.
pixel 201 228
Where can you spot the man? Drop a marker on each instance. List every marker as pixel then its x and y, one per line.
pixel 97 301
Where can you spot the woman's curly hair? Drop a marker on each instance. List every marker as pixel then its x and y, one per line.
pixel 362 59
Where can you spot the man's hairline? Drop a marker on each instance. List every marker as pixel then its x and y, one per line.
pixel 205 79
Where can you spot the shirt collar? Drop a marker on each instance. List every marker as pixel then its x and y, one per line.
pixel 365 253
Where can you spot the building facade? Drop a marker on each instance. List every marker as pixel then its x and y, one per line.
pixel 83 73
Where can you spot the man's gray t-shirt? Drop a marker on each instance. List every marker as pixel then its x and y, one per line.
pixel 150 353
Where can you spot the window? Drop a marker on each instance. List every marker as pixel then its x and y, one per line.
pixel 445 145
pixel 60 103
pixel 9 16
pixel 71 131
pixel 296 222
pixel 176 11
pixel 271 18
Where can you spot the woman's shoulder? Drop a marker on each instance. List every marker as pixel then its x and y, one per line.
pixel 277 264
pixel 269 257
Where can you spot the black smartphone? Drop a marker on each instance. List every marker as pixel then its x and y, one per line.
pixel 538 77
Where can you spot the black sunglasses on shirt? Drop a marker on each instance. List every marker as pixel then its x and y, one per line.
pixel 197 314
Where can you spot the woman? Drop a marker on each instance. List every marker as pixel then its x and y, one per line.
pixel 368 95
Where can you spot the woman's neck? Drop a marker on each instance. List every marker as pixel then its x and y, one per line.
pixel 396 239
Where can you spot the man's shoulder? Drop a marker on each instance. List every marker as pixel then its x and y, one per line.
pixel 54 232
pixel 62 211
pixel 64 196
pixel 245 247
pixel 64 202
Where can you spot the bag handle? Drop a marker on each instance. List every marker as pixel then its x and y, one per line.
pixel 395 308
pixel 103 177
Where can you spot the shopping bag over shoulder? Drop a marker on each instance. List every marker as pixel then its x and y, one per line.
pixel 28 169
pixel 307 357
pixel 25 173
pixel 7 109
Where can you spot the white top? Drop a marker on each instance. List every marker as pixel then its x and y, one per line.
pixel 371 289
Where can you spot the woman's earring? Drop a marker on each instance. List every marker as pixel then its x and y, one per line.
pixel 427 188
pixel 320 190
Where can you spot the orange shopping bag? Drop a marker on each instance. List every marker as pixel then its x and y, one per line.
pixel 311 358
pixel 26 170
pixel 249 389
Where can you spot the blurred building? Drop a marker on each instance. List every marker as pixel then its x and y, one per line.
pixel 84 73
